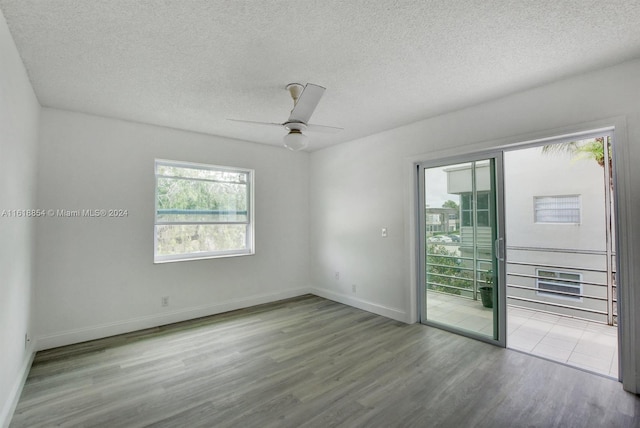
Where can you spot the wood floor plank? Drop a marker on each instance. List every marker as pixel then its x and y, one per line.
pixel 310 362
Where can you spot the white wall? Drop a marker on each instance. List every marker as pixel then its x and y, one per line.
pixel 359 187
pixel 19 112
pixel 96 276
pixel 553 175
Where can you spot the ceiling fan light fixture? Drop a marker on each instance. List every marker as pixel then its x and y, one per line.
pixel 295 140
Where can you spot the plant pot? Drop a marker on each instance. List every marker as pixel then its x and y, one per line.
pixel 486 294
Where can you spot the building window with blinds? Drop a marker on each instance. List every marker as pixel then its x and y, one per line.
pixel 557 209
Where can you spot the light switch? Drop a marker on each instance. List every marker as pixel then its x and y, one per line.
pixel 384 232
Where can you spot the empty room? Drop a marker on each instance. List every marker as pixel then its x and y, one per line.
pixel 301 213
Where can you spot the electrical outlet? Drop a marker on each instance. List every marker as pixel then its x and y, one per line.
pixel 337 276
pixel 165 301
pixel 353 288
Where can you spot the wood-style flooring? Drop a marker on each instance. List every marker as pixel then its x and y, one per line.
pixel 310 362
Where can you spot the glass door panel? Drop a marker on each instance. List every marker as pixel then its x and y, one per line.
pixel 460 270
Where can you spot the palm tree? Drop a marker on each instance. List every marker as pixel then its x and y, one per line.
pixel 589 149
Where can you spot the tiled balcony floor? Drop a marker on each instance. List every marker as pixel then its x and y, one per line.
pixel 588 345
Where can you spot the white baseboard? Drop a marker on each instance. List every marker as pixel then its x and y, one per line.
pixel 112 329
pixel 385 311
pixel 120 327
pixel 6 414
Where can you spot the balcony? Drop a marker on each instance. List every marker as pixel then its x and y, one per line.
pixel 584 344
pixel 561 303
pixel 576 342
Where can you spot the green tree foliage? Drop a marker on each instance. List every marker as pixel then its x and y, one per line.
pixel 195 238
pixel 586 149
pixel 444 271
pixel 200 196
pixel 205 199
pixel 593 150
pixel 450 204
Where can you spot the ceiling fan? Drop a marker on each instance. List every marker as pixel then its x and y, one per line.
pixel 305 100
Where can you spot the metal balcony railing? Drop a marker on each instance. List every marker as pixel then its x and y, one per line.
pixel 596 300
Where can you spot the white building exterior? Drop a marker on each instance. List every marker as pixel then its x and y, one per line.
pixel 573 249
pixel 556 230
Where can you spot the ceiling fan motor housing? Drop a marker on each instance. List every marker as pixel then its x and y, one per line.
pixel 295 126
pixel 295 89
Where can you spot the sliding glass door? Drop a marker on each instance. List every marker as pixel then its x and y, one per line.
pixel 462 247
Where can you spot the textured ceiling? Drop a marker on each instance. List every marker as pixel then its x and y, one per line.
pixel 191 64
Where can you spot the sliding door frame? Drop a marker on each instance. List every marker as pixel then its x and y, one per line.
pixel 497 183
pixel 627 254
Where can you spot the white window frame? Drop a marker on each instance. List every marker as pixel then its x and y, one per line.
pixel 249 241
pixel 558 219
pixel 559 282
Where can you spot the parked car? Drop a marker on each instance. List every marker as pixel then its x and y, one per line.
pixel 439 238
pixel 454 238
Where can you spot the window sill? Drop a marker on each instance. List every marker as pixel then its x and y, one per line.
pixel 189 258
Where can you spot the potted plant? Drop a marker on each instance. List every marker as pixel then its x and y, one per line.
pixel 486 291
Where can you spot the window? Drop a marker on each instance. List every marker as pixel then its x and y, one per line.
pixel 557 209
pixel 561 285
pixel 483 208
pixel 466 209
pixel 202 211
pixel 482 213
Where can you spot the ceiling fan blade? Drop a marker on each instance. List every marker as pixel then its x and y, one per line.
pixel 323 128
pixel 256 123
pixel 306 104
